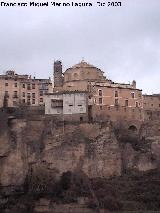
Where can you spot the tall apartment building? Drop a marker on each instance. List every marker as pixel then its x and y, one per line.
pixel 22 90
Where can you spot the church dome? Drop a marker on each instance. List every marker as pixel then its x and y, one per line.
pixel 83 71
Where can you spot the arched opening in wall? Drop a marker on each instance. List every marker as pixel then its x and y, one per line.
pixel 132 128
pixel 81 119
pixel 10 121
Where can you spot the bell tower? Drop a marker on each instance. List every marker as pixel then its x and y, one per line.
pixel 57 72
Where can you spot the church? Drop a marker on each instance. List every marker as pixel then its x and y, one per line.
pixel 83 93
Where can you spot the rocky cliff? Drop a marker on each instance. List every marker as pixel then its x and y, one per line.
pixel 43 147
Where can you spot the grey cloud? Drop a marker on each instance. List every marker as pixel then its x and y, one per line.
pixel 123 42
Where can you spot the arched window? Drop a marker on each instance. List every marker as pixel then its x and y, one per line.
pixel 75 75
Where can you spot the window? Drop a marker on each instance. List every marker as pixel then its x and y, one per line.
pixel 126 102
pixel 28 95
pixel 6 84
pixel 116 93
pixel 58 110
pixel 33 86
pixel 132 95
pixel 79 105
pixel 28 86
pixel 101 107
pixel 70 105
pixel 33 101
pixel 41 93
pixel 15 94
pixel 23 101
pixel 33 95
pixel 23 85
pixel 23 94
pixel 6 93
pixel 41 100
pixel 116 102
pixel 136 104
pixel 14 103
pixel 15 84
pixel 28 102
pixel 100 92
pixel 100 100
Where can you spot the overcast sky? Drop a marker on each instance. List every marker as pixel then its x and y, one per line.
pixel 122 41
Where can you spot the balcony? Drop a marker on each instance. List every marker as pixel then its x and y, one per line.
pixel 56 103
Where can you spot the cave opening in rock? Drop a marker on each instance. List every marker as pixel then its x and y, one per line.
pixel 132 128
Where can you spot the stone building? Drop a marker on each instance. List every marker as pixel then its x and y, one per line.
pixel 21 90
pixel 116 101
pixel 106 99
pixel 151 107
pixel 151 102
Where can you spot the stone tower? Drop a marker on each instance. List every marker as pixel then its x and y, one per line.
pixel 57 72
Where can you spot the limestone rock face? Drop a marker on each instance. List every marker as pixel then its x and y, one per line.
pixel 13 170
pixel 4 144
pixel 97 154
pixel 147 157
pixel 28 145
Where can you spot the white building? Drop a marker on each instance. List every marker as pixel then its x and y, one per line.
pixel 67 103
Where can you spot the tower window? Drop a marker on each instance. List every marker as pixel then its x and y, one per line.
pixel 116 93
